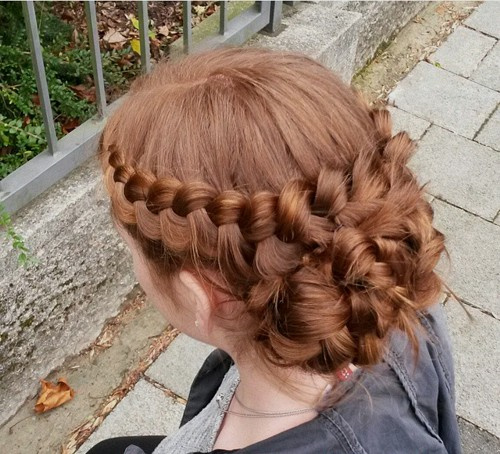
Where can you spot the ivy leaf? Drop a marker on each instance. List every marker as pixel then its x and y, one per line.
pixel 22 259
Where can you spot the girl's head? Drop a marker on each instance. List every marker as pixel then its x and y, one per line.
pixel 282 197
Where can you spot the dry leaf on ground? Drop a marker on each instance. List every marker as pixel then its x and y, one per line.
pixel 69 125
pixel 136 46
pixel 53 395
pixel 83 92
pixel 163 30
pixel 113 36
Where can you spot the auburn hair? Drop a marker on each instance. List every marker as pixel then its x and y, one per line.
pixel 265 167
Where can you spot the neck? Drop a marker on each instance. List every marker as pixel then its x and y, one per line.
pixel 274 389
pixel 267 390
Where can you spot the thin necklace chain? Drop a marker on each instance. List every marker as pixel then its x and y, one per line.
pixel 259 414
pixel 343 375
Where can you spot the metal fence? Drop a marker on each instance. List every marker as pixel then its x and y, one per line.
pixel 66 154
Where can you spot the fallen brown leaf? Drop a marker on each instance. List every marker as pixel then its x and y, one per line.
pixel 53 395
pixel 69 125
pixel 4 151
pixel 125 61
pixel 441 9
pixel 83 92
pixel 163 30
pixel 113 36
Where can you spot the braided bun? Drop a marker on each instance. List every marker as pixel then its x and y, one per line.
pixel 265 167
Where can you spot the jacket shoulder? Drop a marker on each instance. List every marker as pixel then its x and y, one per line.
pixel 406 403
pixel 206 383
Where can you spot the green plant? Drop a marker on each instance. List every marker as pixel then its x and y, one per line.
pixel 24 257
pixel 68 68
pixel 25 138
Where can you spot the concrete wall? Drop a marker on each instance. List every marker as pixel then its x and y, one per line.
pixel 380 21
pixel 58 307
pixel 343 35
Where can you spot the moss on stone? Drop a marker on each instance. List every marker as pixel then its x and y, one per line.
pixel 28 322
pixel 210 26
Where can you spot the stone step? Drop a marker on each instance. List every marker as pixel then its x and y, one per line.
pixel 326 34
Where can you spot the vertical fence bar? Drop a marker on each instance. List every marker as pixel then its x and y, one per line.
pixel 39 69
pixel 186 26
pixel 223 17
pixel 95 51
pixel 275 17
pixel 142 7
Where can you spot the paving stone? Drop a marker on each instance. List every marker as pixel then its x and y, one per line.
pixel 460 171
pixel 488 71
pixel 476 356
pixel 490 134
pixel 445 99
pixel 477 441
pixel 404 121
pixel 462 59
pixel 177 366
pixel 486 18
pixel 145 410
pixel 474 247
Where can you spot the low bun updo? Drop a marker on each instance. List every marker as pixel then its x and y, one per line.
pixel 265 167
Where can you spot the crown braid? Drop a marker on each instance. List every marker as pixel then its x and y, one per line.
pixel 327 232
pixel 327 262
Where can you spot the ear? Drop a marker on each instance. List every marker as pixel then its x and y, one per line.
pixel 203 305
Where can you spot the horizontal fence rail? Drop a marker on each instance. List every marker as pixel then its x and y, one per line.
pixel 64 155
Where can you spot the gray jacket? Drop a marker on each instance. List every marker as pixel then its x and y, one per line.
pixel 402 405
